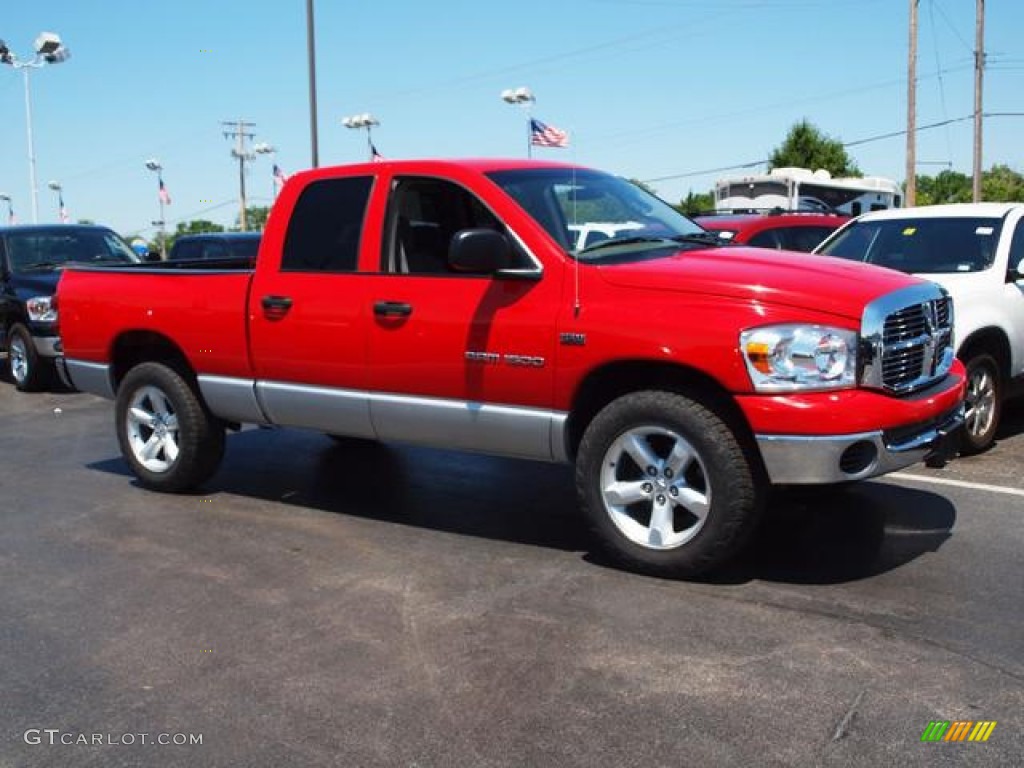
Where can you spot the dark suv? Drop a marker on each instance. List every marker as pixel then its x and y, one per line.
pixel 31 260
pixel 787 230
pixel 218 246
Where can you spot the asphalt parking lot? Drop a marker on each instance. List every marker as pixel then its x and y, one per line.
pixel 319 606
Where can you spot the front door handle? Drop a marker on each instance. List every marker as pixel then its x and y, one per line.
pixel 392 309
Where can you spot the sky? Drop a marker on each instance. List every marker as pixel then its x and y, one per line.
pixel 665 91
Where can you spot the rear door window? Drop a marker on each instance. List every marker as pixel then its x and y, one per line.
pixel 326 226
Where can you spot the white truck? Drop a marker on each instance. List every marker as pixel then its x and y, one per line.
pixel 976 252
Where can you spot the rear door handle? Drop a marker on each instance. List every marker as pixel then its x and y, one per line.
pixel 392 309
pixel 276 307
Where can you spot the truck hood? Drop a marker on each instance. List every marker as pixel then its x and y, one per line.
pixel 36 283
pixel 785 278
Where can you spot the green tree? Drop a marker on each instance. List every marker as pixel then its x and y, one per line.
pixel 696 203
pixel 946 187
pixel 807 147
pixel 255 218
pixel 1002 184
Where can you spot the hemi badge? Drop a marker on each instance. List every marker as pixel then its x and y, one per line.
pixel 573 339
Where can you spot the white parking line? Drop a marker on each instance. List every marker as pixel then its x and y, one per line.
pixel 957 483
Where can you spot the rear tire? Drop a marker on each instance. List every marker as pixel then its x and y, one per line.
pixel 666 484
pixel 28 370
pixel 168 437
pixel 983 404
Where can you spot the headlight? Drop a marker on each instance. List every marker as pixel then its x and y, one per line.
pixel 42 309
pixel 786 358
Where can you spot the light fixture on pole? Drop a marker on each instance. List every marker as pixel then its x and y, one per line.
pixel 367 121
pixel 524 98
pixel 154 165
pixel 10 209
pixel 62 211
pixel 48 50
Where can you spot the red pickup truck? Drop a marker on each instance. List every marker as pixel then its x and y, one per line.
pixel 445 303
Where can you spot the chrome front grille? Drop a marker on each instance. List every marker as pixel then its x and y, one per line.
pixel 908 339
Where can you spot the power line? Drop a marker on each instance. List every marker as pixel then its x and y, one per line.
pixel 857 142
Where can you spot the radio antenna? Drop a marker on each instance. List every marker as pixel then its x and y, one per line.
pixel 576 305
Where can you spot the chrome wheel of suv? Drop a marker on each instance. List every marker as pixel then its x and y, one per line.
pixel 982 404
pixel 29 372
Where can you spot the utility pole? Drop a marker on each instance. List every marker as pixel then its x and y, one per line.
pixel 979 70
pixel 911 188
pixel 240 132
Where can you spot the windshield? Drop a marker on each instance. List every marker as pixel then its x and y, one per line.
pixel 598 217
pixel 924 246
pixel 40 251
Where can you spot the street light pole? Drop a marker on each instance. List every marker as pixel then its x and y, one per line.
pixel 154 165
pixel 311 57
pixel 62 213
pixel 524 97
pixel 32 185
pixel 48 50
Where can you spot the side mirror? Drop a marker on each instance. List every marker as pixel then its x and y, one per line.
pixel 1016 273
pixel 479 251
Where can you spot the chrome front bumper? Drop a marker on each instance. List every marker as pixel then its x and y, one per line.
pixel 819 460
pixel 48 346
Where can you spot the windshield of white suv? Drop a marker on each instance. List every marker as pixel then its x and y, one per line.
pixel 597 217
pixel 926 245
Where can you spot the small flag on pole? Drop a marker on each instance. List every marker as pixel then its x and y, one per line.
pixel 63 211
pixel 165 196
pixel 375 156
pixel 542 135
pixel 280 177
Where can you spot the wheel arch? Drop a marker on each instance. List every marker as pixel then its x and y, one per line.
pixel 992 341
pixel 134 347
pixel 609 382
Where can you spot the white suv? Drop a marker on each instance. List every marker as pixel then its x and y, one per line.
pixel 595 231
pixel 976 252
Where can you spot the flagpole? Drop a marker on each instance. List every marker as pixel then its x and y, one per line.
pixel 529 134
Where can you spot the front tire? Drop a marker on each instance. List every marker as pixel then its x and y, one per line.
pixel 169 439
pixel 666 484
pixel 28 370
pixel 983 404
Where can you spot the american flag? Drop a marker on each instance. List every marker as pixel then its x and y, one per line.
pixel 542 135
pixel 280 177
pixel 63 211
pixel 165 196
pixel 375 156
